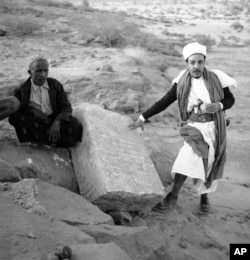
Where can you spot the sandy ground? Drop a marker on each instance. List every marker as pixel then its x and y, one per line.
pixel 191 236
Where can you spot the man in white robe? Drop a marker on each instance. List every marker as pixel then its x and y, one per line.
pixel 203 96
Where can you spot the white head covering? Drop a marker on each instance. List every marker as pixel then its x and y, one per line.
pixel 37 57
pixel 194 48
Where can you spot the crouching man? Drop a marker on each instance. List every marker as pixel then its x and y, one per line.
pixel 45 113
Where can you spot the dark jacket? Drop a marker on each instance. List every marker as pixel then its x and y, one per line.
pixel 171 96
pixel 60 104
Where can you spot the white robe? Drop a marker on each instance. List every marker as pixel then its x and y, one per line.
pixel 188 162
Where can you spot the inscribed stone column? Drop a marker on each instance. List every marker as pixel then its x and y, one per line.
pixel 112 165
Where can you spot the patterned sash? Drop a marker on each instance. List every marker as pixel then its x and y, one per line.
pixel 216 94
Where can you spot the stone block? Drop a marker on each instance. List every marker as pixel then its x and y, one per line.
pixel 112 165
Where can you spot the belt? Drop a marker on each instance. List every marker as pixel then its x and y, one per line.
pixel 202 118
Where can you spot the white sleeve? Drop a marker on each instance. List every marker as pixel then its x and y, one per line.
pixel 226 81
pixel 142 118
pixel 176 80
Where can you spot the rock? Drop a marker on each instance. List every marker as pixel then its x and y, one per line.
pixel 8 173
pixel 85 3
pixel 43 198
pixel 138 222
pixel 120 217
pixel 5 186
pixel 183 243
pixel 108 251
pixel 112 166
pixel 120 92
pixel 83 42
pixel 64 253
pixel 26 236
pixel 108 68
pixel 99 39
pixel 129 103
pixel 28 169
pixel 37 161
pixel 2 33
pixel 137 242
pixel 31 235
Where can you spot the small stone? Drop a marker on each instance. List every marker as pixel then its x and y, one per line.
pixel 247 185
pixel 120 217
pixel 83 42
pixel 241 220
pixel 31 235
pixel 107 67
pixel 138 222
pixel 65 253
pixel 2 33
pixel 4 186
pixel 98 39
pixel 183 243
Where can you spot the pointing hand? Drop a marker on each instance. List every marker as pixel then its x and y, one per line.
pixel 138 123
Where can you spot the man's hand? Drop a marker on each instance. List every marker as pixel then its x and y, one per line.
pixel 54 131
pixel 212 108
pixel 138 123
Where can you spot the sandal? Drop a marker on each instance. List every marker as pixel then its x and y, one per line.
pixel 169 202
pixel 204 203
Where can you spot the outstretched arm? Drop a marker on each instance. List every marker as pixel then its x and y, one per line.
pixel 161 104
pixel 156 108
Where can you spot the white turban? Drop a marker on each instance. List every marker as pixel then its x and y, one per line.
pixel 194 48
pixel 37 57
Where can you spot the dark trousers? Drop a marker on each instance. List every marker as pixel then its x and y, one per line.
pixel 30 128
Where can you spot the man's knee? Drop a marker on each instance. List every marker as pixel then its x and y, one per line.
pixel 14 104
pixel 8 106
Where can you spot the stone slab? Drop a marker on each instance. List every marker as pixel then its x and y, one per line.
pixel 112 165
pixel 47 163
pixel 25 236
pixel 42 198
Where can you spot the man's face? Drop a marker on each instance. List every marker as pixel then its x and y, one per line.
pixel 39 72
pixel 196 65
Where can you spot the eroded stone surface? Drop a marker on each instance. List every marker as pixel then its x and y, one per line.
pixel 112 165
pixel 8 173
pixel 50 164
pixel 138 242
pixel 108 251
pixel 30 236
pixel 42 198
